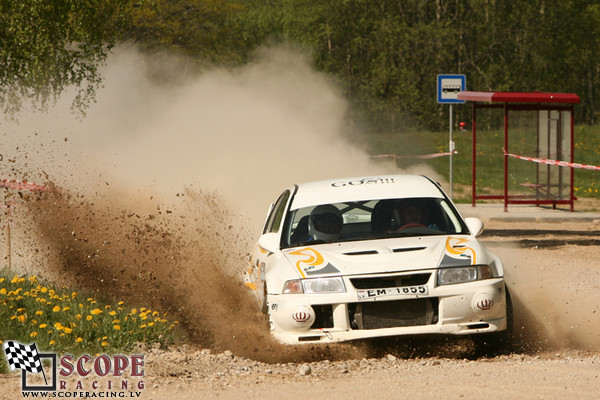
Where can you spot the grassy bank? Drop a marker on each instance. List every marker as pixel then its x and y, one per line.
pixel 64 321
pixel 490 159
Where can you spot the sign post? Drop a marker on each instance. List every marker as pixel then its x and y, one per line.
pixel 448 88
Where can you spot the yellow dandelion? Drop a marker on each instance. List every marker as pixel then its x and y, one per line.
pixel 112 313
pixel 58 326
pixel 21 309
pixel 21 318
pixel 66 308
pixel 104 344
pixel 78 316
pixel 33 334
pixel 74 294
pixel 78 340
pixel 56 309
pixel 67 330
pixel 143 326
pixel 117 327
pixel 134 311
pixel 3 291
pixel 1 280
pixel 42 326
pixel 96 311
pixel 52 341
pixel 39 313
pixel 15 279
pixel 44 289
pixel 119 303
pixel 89 318
pixel 150 323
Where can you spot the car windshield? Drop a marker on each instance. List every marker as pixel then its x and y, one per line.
pixel 371 219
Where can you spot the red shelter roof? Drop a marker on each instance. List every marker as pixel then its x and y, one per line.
pixel 519 97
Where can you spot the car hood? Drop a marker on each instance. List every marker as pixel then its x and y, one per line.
pixel 383 256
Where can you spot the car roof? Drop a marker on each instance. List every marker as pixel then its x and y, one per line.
pixel 364 188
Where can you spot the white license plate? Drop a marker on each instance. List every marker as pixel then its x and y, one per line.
pixel 374 294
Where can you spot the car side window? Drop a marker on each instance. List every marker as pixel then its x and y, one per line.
pixel 274 220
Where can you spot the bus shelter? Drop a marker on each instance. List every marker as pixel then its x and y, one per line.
pixel 548 141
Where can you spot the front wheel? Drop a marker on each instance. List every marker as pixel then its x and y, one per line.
pixel 497 342
pixel 264 306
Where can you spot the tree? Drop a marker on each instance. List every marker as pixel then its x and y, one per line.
pixel 204 30
pixel 47 46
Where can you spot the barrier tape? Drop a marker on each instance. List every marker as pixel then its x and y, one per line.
pixel 422 157
pixel 13 184
pixel 554 162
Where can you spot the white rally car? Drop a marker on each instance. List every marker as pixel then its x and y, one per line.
pixel 360 258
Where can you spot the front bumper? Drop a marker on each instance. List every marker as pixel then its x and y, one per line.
pixel 460 309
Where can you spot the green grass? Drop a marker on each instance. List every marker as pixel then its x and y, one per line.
pixel 65 321
pixel 490 159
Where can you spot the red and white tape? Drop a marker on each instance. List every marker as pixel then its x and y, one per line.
pixel 554 162
pixel 422 157
pixel 13 184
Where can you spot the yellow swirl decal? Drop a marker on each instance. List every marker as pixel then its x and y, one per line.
pixel 311 258
pixel 458 248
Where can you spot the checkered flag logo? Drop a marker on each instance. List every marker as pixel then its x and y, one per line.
pixel 23 357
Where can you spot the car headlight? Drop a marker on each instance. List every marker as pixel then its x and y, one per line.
pixel 317 285
pixel 453 275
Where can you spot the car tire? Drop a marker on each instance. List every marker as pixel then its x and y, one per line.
pixel 264 306
pixel 491 344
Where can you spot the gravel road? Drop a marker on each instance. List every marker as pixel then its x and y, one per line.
pixel 555 284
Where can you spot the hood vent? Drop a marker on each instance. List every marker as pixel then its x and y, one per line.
pixel 405 249
pixel 361 253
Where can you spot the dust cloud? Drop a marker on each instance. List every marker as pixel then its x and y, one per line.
pixel 555 297
pixel 159 192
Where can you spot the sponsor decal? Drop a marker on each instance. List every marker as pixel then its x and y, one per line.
pixel 364 181
pixel 485 304
pixel 300 316
pixel 30 361
pixel 457 247
pixel 312 263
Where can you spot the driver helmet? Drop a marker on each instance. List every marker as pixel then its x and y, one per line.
pixel 410 211
pixel 325 223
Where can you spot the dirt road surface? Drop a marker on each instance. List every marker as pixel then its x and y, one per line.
pixel 553 273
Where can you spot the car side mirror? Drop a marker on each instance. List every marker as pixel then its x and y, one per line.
pixel 269 242
pixel 475 226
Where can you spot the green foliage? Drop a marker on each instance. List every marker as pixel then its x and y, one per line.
pixel 46 46
pixel 61 320
pixel 387 53
pixel 205 30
